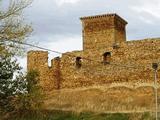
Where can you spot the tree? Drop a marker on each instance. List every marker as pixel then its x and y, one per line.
pixel 20 94
pixel 12 28
pixel 33 98
pixel 9 87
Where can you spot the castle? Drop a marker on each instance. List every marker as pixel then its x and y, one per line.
pixel 107 59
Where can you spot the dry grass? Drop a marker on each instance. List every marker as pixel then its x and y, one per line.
pixel 112 100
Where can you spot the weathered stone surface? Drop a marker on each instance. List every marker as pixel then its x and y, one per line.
pixel 103 31
pixel 130 64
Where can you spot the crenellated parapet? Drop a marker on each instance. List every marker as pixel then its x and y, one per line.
pixel 99 63
pixel 49 76
pixel 37 60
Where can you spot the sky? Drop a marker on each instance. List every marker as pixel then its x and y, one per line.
pixel 57 26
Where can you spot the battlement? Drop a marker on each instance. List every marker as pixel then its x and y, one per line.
pixel 101 77
pixel 104 16
pixel 102 31
pixel 49 76
pixel 37 59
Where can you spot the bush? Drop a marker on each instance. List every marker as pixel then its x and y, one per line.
pixel 32 99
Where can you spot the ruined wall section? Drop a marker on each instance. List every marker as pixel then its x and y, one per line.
pixel 140 51
pixel 38 60
pixel 131 63
pixel 55 73
pixel 71 75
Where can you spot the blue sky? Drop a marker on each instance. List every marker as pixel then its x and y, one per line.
pixel 57 26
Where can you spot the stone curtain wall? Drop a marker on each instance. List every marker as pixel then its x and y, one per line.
pixel 130 63
pixel 112 87
pixel 127 80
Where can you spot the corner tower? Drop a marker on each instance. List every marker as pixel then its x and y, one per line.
pixel 103 31
pixel 37 60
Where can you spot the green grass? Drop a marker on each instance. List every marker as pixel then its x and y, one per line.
pixel 60 115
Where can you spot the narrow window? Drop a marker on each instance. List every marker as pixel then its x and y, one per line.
pixel 78 62
pixel 106 57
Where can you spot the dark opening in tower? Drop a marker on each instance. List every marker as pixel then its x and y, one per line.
pixel 107 57
pixel 78 62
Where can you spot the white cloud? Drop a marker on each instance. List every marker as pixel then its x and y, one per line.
pixel 63 43
pixel 152 8
pixel 71 44
pixel 148 21
pixel 61 2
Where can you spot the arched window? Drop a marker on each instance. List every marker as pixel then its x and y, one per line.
pixel 106 57
pixel 78 62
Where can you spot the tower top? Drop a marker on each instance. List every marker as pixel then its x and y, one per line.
pixel 111 15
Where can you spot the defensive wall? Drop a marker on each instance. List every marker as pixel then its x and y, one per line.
pixel 107 58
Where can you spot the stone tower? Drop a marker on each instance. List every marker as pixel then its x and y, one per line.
pixel 49 76
pixel 103 31
pixel 37 60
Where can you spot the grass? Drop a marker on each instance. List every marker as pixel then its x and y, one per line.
pixel 60 115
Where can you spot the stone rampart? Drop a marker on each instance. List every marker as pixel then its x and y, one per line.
pixel 107 59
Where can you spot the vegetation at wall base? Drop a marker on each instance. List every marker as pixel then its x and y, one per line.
pixel 61 115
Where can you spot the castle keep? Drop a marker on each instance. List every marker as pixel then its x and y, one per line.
pixel 108 61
